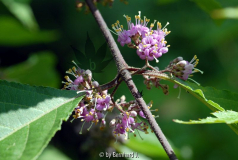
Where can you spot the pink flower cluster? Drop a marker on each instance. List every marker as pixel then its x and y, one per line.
pixel 125 123
pixel 92 106
pixel 95 104
pixel 150 44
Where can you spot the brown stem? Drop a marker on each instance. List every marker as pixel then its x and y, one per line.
pixel 126 76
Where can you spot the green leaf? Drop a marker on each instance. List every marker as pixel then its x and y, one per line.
pixel 214 98
pixel 38 69
pixel 14 34
pixel 197 91
pixel 22 10
pixel 30 116
pixel 227 117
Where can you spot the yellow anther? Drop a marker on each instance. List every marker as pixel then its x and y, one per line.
pixel 98 96
pixel 127 129
pixel 156 110
pixel 122 26
pixel 159 25
pixel 67 78
pixel 152 25
pixel 165 42
pixel 74 69
pixel 118 30
pixel 144 45
pixel 147 20
pixel 168 46
pixel 141 21
pixel 156 45
pixel 113 25
pixel 154 51
pixel 117 22
pixel 167 32
pixel 195 70
pixel 70 70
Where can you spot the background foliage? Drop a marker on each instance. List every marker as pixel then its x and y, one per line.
pixel 35 49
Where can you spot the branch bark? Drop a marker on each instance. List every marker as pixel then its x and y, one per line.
pixel 126 76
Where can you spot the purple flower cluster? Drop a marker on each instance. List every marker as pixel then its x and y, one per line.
pixel 125 123
pixel 95 104
pixel 150 43
pixel 91 107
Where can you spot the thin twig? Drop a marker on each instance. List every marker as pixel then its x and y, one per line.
pixel 126 76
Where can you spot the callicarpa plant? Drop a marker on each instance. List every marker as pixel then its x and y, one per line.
pixel 148 40
pixel 31 115
pixel 150 45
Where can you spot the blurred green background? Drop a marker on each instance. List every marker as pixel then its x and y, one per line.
pixel 35 40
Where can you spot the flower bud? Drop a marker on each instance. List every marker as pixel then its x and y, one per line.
pixel 95 84
pixel 88 73
pixel 112 123
pixel 133 113
pixel 123 98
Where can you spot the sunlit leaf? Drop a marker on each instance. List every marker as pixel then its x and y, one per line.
pixel 228 117
pixel 29 118
pixel 225 13
pixel 22 10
